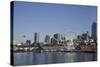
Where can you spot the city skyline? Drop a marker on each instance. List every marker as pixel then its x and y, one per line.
pixel 51 18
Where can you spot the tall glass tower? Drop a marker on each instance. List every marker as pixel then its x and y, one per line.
pixel 36 37
pixel 94 31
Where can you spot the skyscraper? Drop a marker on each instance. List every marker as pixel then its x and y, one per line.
pixel 47 39
pixel 85 36
pixel 57 36
pixel 94 31
pixel 36 37
pixel 54 41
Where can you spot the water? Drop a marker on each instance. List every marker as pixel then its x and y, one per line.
pixel 29 58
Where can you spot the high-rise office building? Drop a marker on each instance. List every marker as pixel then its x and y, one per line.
pixel 85 36
pixel 57 36
pixel 54 41
pixel 94 31
pixel 47 39
pixel 63 37
pixel 36 37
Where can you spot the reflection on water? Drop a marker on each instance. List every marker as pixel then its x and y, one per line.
pixel 28 58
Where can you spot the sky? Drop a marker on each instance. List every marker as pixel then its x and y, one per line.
pixel 48 19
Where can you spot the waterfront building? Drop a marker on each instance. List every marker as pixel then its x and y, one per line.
pixel 79 37
pixel 62 40
pixel 47 39
pixel 54 41
pixel 85 36
pixel 94 31
pixel 28 42
pixel 57 37
pixel 36 37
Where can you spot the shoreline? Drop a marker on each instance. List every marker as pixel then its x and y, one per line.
pixel 40 51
